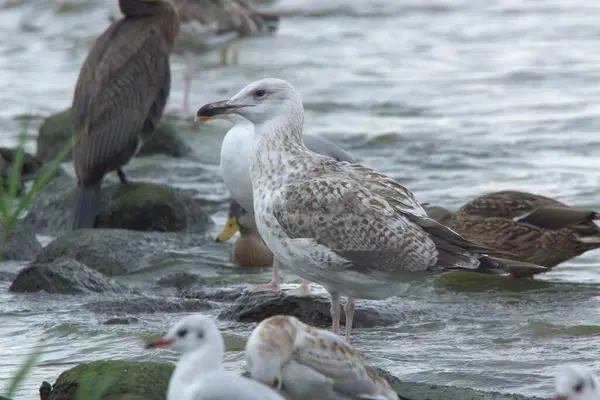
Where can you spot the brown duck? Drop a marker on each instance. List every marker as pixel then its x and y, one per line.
pixel 537 229
pixel 249 249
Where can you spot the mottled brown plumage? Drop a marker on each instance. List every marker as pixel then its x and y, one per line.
pixel 493 220
pixel 120 95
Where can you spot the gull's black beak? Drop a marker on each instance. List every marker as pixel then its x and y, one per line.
pixel 216 109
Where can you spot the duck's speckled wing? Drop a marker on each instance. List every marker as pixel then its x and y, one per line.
pixel 507 204
pixel 330 356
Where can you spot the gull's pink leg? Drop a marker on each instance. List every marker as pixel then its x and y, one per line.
pixel 349 310
pixel 302 290
pixel 272 286
pixel 187 83
pixel 335 313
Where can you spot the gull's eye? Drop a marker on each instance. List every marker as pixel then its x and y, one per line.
pixel 182 332
pixel 259 93
pixel 200 335
pixel 579 387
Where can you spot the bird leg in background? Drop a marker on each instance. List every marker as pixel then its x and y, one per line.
pixel 223 53
pixel 349 310
pixel 302 290
pixel 336 312
pixel 272 286
pixel 235 48
pixel 122 177
pixel 187 83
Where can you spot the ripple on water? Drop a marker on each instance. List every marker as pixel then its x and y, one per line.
pixel 414 89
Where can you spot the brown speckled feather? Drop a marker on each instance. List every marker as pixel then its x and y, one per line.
pixel 370 220
pixel 489 220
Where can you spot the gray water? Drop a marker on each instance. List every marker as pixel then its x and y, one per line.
pixel 454 98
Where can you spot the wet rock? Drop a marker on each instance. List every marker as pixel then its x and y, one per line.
pixel 123 380
pixel 121 321
pixel 64 276
pixel 136 206
pixel 313 310
pixel 30 167
pixel 21 244
pixel 56 130
pixel 181 280
pixel 45 390
pixel 116 252
pixel 147 305
pixel 152 207
pixel 131 380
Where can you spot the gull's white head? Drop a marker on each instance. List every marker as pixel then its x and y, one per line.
pixel 576 382
pixel 260 102
pixel 269 348
pixel 190 334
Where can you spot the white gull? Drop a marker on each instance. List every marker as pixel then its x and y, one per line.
pixel 198 374
pixel 347 227
pixel 576 382
pixel 309 363
pixel 236 152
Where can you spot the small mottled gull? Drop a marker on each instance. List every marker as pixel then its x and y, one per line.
pixel 236 152
pixel 309 363
pixel 345 226
pixel 576 382
pixel 198 374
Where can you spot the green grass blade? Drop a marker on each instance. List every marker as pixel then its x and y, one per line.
pixel 23 371
pixel 14 179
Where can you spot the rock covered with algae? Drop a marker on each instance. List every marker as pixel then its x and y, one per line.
pixel 139 206
pixel 56 130
pixel 131 380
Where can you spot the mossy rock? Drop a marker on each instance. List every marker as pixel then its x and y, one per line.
pixel 153 207
pixel 56 130
pixel 136 206
pixel 115 380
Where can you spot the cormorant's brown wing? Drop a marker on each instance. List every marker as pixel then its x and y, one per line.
pixel 118 85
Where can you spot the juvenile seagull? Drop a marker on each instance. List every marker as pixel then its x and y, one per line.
pixel 198 374
pixel 236 153
pixel 309 363
pixel 345 226
pixel 576 382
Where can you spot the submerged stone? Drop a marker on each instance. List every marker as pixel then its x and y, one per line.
pixel 117 380
pixel 56 130
pixel 312 310
pixel 131 380
pixel 137 206
pixel 64 276
pixel 115 252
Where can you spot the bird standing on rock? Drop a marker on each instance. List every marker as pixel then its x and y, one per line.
pixel 347 227
pixel 120 96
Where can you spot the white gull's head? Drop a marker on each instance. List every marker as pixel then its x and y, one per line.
pixel 575 382
pixel 192 333
pixel 260 102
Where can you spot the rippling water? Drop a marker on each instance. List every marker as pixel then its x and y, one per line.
pixel 454 98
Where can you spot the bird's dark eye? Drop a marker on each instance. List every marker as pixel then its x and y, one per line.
pixel 259 93
pixel 200 335
pixel 182 332
pixel 579 387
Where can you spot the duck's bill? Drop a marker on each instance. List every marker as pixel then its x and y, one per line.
pixel 231 227
pixel 217 109
pixel 158 343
